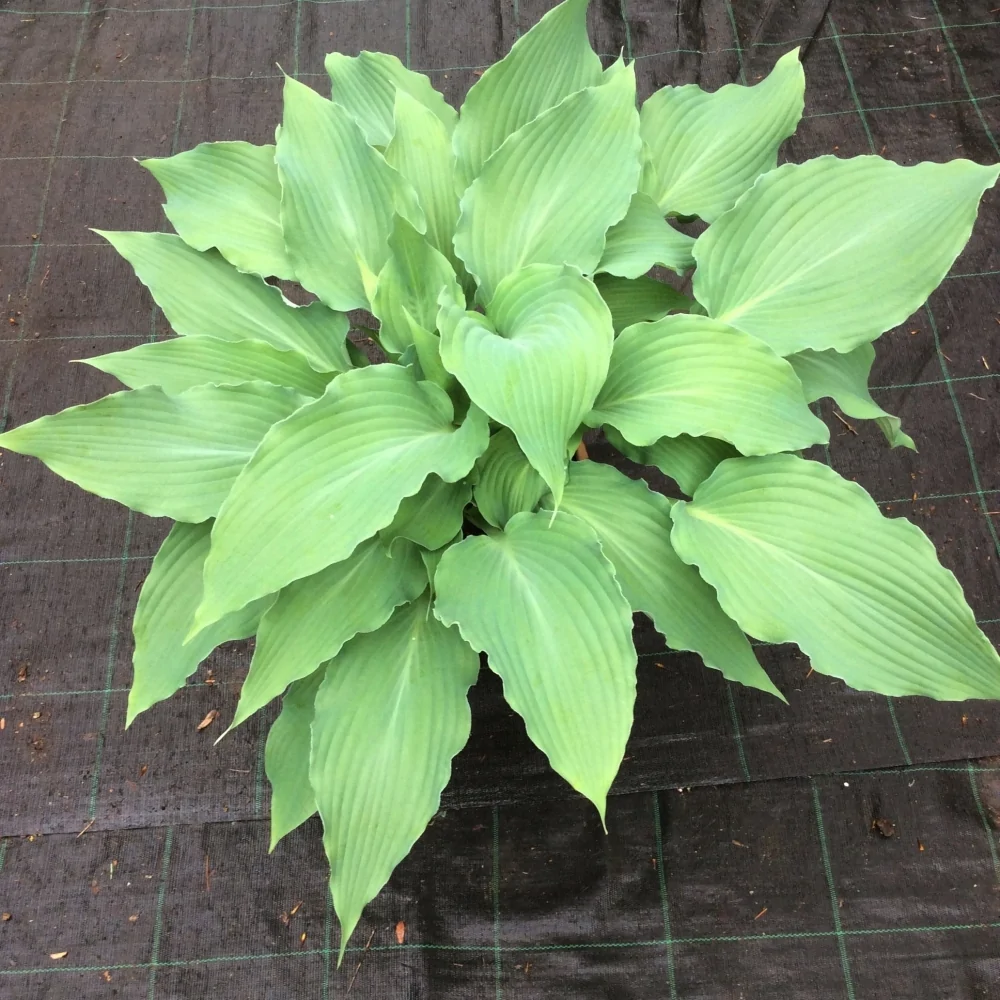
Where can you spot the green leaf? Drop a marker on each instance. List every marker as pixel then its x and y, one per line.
pixel 427 348
pixel 368 84
pixel 687 460
pixel 574 169
pixel 798 554
pixel 633 525
pixel 408 287
pixel 180 364
pixel 162 662
pixel 421 151
pixel 313 618
pixel 636 300
pixel 201 294
pixel 707 149
pixel 163 455
pixel 693 375
pixel 391 712
pixel 845 378
pixel 338 199
pixel 286 758
pixel 551 61
pixel 226 195
pixel 831 253
pixel 326 480
pixel 536 361
pixel 506 484
pixel 541 599
pixel 644 239
pixel 432 517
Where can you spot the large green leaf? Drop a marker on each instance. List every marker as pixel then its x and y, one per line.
pixel 707 149
pixel 536 361
pixel 644 239
pixel 541 599
pixel 693 375
pixel 313 618
pixel 163 455
pixel 421 151
pixel 687 460
pixel 286 758
pixel 550 193
pixel 830 253
pixel 798 554
pixel 391 712
pixel 408 287
pixel 201 294
pixel 433 516
pixel 180 364
pixel 326 480
pixel 226 195
pixel 367 86
pixel 637 300
pixel 162 661
pixel 633 524
pixel 845 378
pixel 506 484
pixel 338 199
pixel 551 61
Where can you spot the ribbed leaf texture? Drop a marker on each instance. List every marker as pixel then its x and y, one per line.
pixel 385 510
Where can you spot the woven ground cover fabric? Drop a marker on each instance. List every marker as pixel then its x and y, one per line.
pixel 773 875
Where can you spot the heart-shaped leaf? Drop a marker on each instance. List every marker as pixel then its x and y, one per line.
pixel 541 600
pixel 330 478
pixel 830 253
pixel 536 361
pixel 226 195
pixel 707 149
pixel 391 712
pixel 164 455
pixel 693 375
pixel 798 554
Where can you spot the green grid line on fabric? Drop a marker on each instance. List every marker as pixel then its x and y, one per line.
pixel 845 962
pixel 161 896
pixel 984 819
pixel 661 876
pixel 177 10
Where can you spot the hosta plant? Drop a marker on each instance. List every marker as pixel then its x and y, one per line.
pixel 379 526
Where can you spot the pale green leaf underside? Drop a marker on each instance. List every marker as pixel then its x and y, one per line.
pixel 536 361
pixel 421 151
pixel 574 169
pixel 693 375
pixel 331 477
pixel 633 524
pixel 551 61
pixel 338 198
pixel 286 759
pixel 542 601
pixel 845 378
pixel 707 149
pixel 226 195
pixel 391 712
pixel 431 517
pixel 831 253
pixel 406 294
pixel 638 300
pixel 798 554
pixel 164 455
pixel 313 618
pixel 180 364
pixel 170 593
pixel 506 484
pixel 644 239
pixel 366 86
pixel 687 460
pixel 201 294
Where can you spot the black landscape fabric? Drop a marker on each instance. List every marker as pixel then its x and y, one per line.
pixel 842 846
